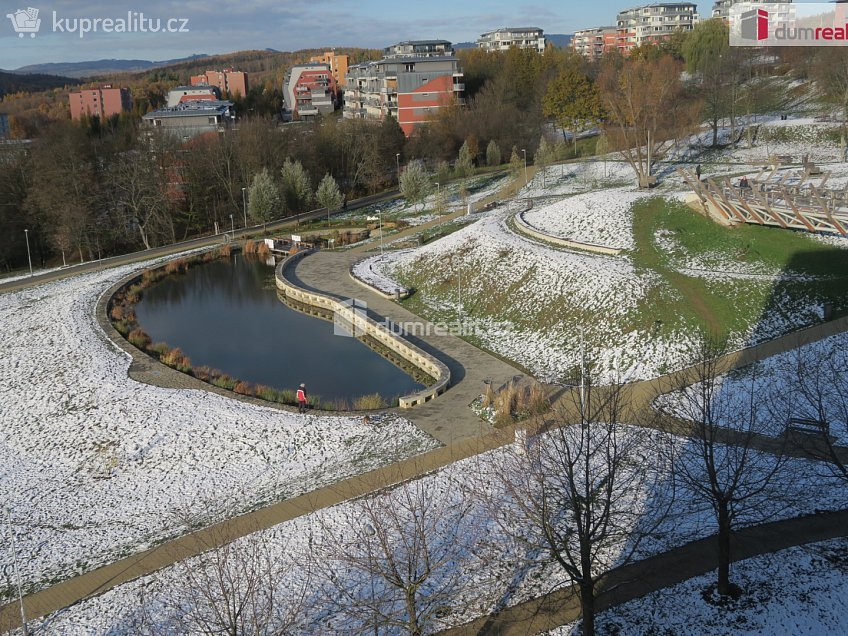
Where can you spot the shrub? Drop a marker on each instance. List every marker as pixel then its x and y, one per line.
pixel 160 349
pixel 249 247
pixel 139 338
pixel 370 402
pixel 176 359
pixel 134 294
pixel 203 373
pixel 224 381
pixel 263 250
pixel 172 267
pixel 123 327
pixel 267 393
pixel 117 312
pixel 244 388
pixel 225 251
pixel 287 396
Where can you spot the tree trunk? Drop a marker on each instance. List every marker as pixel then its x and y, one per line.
pixel 412 611
pixel 715 132
pixel 587 607
pixel 723 549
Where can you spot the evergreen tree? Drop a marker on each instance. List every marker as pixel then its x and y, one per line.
pixel 415 182
pixel 263 198
pixel 327 195
pixel 464 165
pixel 297 189
pixel 493 154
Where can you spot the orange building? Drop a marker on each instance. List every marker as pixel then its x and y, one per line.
pixel 337 63
pixel 100 102
pixel 228 81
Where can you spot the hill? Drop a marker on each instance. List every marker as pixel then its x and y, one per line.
pixel 559 40
pixel 31 82
pixel 93 68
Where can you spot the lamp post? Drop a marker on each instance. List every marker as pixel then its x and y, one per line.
pixel 233 227
pixel 439 197
pixel 397 159
pixel 17 571
pixel 380 214
pixel 29 257
pixel 525 166
pixel 244 204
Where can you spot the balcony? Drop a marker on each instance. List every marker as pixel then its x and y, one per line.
pixel 458 88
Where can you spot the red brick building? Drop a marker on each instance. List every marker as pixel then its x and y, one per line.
pixel 229 82
pixel 100 102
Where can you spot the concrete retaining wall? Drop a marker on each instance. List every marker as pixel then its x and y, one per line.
pixel 358 323
pixel 528 229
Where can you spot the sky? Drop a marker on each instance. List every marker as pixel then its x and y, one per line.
pixel 285 25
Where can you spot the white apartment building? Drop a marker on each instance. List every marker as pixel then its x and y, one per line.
pixel 520 37
pixel 654 23
pixel 721 8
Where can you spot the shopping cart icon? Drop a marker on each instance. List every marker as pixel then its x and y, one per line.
pixel 25 21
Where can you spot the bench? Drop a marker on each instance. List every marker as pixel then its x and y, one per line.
pixel 806 426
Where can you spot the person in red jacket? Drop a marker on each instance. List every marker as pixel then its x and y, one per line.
pixel 301 398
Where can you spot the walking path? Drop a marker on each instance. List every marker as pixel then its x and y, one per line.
pixel 450 420
pixel 649 575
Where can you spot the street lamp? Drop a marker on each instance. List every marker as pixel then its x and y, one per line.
pixel 244 204
pixel 233 226
pixel 397 159
pixel 380 214
pixel 17 571
pixel 29 257
pixel 439 198
pixel 525 166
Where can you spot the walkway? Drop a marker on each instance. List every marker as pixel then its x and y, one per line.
pixel 448 417
pixel 649 575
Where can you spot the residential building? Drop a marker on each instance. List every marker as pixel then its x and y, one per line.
pixel 4 126
pixel 309 89
pixel 411 83
pixel 519 37
pixel 653 23
pixel 192 118
pixel 100 102
pixel 593 43
pixel 229 82
pixel 182 94
pixel 721 8
pixel 338 64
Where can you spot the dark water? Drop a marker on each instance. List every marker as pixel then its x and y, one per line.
pixel 226 314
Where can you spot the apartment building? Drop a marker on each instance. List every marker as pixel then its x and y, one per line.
pixel 182 94
pixel 654 23
pixel 192 118
pixel 593 43
pixel 309 89
pixel 101 102
pixel 229 82
pixel 338 64
pixel 411 83
pixel 721 8
pixel 519 37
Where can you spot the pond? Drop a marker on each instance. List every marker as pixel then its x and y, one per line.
pixel 226 314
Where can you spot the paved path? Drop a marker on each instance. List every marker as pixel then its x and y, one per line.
pixel 643 577
pixel 448 417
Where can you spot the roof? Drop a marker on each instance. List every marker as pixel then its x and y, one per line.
pixel 420 60
pixel 513 29
pixel 191 109
pixel 195 87
pixel 414 42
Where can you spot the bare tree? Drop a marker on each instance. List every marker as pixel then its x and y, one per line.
pixel 394 560
pixel 583 494
pixel 647 110
pixel 236 588
pixel 726 462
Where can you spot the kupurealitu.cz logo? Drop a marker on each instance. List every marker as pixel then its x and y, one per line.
pixel 27 22
pixel 789 24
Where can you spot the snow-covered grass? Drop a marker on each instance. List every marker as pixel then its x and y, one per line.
pixel 468 528
pixel 589 218
pixel 369 271
pixel 95 466
pixel 801 590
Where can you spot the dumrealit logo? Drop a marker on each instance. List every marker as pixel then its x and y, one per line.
pixel 27 21
pixel 789 24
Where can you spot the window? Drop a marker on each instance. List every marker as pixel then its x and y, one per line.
pixel 409 68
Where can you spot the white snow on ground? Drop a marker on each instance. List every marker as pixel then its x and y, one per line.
pixel 35 272
pixel 809 382
pixel 801 590
pixel 598 218
pixel 369 270
pixel 95 466
pixel 483 567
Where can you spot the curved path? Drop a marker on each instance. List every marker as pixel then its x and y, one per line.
pixel 649 575
pixel 447 418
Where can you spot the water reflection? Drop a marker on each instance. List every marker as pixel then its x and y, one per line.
pixel 226 315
